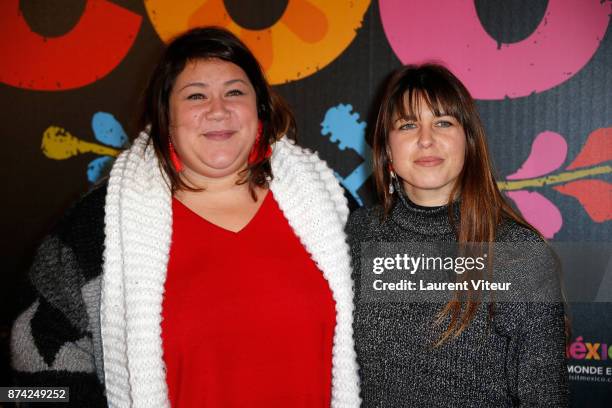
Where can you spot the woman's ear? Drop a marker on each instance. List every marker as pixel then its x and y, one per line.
pixel 389 155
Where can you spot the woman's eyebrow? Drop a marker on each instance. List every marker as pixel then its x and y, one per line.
pixel 196 84
pixel 205 85
pixel 406 117
pixel 233 81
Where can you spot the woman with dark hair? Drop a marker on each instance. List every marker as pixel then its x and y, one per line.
pixel 435 182
pixel 211 269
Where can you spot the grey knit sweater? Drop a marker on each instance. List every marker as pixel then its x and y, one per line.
pixel 517 359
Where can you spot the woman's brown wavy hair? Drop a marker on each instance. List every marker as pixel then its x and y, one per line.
pixel 201 44
pixel 482 206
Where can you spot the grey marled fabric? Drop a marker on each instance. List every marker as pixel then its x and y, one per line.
pixel 517 359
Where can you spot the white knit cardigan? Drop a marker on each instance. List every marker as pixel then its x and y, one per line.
pixel 138 228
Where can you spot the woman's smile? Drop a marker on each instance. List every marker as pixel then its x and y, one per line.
pixel 219 135
pixel 428 161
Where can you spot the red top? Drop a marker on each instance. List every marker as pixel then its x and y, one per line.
pixel 248 318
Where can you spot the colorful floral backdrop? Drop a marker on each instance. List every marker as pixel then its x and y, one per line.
pixel 73 70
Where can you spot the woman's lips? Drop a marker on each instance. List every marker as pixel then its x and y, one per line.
pixel 428 161
pixel 219 134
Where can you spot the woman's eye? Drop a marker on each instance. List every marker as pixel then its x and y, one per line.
pixel 444 123
pixel 196 96
pixel 406 126
pixel 235 92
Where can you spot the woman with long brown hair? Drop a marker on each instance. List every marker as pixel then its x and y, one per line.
pixel 435 182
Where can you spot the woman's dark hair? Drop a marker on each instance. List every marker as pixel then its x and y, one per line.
pixel 482 206
pixel 201 44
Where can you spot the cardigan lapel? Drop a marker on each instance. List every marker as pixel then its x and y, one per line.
pixel 138 228
pixel 312 201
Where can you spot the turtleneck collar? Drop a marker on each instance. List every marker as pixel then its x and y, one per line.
pixel 424 220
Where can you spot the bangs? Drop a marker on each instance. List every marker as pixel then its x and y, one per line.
pixel 438 95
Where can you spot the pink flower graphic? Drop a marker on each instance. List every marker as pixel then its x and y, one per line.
pixel 548 153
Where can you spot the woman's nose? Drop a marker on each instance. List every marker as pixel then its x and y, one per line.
pixel 425 137
pixel 217 109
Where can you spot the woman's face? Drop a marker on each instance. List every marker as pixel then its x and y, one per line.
pixel 213 118
pixel 427 154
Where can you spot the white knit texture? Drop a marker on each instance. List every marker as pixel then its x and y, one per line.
pixel 138 230
pixel 313 202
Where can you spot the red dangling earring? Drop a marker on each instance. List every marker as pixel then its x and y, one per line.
pixel 254 153
pixel 176 162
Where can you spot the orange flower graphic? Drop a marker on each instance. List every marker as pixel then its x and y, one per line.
pixel 309 35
